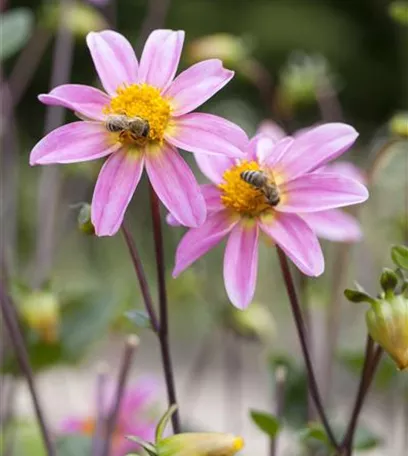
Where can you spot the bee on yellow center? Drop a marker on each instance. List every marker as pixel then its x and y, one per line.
pixel 248 189
pixel 138 114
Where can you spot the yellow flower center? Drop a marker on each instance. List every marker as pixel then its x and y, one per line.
pixel 145 102
pixel 241 196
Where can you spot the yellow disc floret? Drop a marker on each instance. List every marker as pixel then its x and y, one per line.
pixel 142 101
pixel 240 196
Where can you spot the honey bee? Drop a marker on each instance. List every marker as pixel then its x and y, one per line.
pixel 136 127
pixel 259 180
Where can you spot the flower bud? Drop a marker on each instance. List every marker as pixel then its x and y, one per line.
pixel 41 312
pixel 387 322
pixel 388 281
pixel 232 50
pixel 84 219
pixel 200 444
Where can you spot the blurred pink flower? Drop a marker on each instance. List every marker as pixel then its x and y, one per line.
pixel 239 210
pixel 334 224
pixel 146 90
pixel 134 418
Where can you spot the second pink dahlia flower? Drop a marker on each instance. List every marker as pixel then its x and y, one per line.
pixel 240 211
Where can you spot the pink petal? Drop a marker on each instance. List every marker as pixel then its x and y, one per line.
pixel 79 98
pixel 207 134
pixel 114 189
pixel 297 240
pixel 213 166
pixel 176 185
pixel 271 155
pixel 272 130
pixel 198 241
pixel 241 264
pixel 212 199
pixel 160 58
pixel 264 149
pixel 320 191
pixel 346 169
pixel 315 147
pixel 334 225
pixel 196 85
pixel 254 144
pixel 114 59
pixel 71 143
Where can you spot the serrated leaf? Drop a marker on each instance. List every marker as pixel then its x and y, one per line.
pixel 139 318
pixel 266 422
pixel 15 29
pixel 399 255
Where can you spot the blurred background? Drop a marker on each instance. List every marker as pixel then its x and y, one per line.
pixel 297 63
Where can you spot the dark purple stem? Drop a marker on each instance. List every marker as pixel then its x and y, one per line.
pixel 300 325
pixel 129 351
pixel 17 340
pixel 371 361
pixel 144 286
pixel 163 308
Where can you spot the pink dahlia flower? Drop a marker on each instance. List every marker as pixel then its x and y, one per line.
pixel 334 224
pixel 240 211
pixel 134 418
pixel 146 90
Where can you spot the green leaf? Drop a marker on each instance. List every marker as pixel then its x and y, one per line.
pixel 399 255
pixel 365 440
pixel 266 422
pixel 139 318
pixel 164 421
pixel 74 445
pixel 15 29
pixel 358 296
pixel 315 431
pixel 388 280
